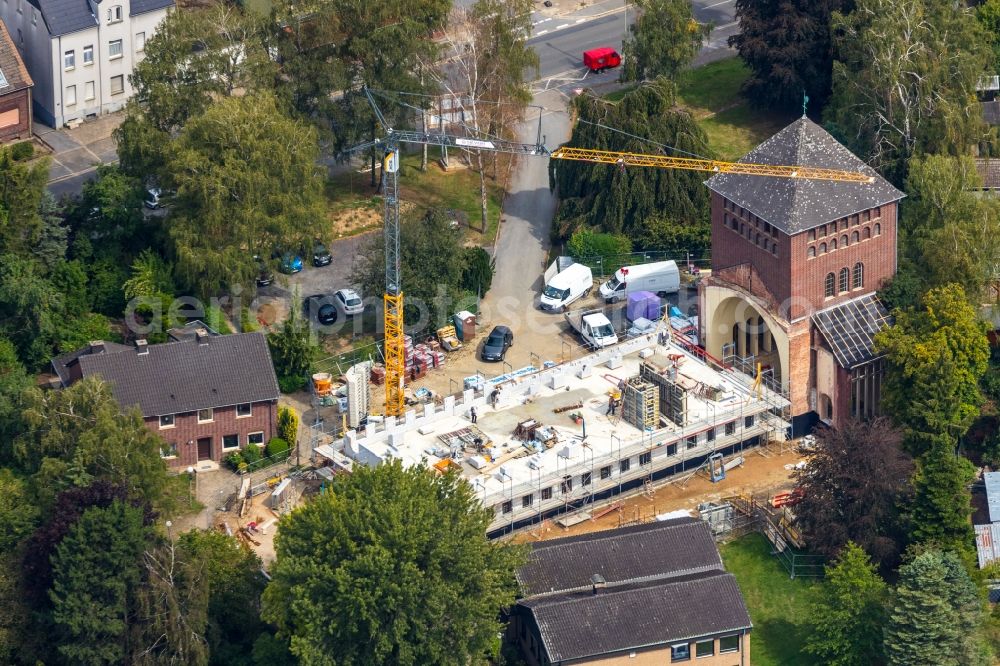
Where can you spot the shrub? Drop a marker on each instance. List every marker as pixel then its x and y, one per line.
pixel 288 425
pixel 292 384
pixel 24 150
pixel 252 454
pixel 234 460
pixel 277 449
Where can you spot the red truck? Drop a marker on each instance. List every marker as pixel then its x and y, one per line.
pixel 598 60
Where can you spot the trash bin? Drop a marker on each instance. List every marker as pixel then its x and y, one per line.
pixel 465 325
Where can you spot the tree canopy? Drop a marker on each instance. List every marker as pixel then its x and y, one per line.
pixel 662 41
pixel 392 565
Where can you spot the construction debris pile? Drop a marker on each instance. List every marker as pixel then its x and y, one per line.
pixel 419 358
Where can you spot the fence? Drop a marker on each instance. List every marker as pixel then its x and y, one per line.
pixel 606 265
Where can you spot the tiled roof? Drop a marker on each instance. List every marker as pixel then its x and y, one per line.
pixel 991 112
pixel 793 204
pixel 644 552
pixel 63 17
pixel 61 364
pixel 989 172
pixel 13 74
pixel 143 6
pixel 850 328
pixel 582 624
pixel 179 377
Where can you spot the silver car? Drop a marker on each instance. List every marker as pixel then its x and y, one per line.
pixel 349 302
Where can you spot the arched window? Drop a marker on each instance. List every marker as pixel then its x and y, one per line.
pixel 854 237
pixel 829 289
pixel 867 233
pixel 878 229
pixel 843 241
pixel 845 279
pixel 859 275
pixel 757 240
pixel 822 248
pixel 833 244
pixel 811 252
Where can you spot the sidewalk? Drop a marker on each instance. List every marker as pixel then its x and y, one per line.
pixel 80 150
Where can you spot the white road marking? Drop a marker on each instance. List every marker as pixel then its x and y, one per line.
pixel 540 33
pixel 581 20
pixel 560 27
pixel 723 2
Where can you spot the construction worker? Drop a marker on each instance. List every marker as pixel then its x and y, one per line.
pixel 472 415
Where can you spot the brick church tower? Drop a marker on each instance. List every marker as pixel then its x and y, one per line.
pixel 795 267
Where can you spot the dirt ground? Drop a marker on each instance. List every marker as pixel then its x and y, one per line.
pixel 759 474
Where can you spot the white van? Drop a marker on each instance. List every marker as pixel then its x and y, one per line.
pixel 566 286
pixel 661 277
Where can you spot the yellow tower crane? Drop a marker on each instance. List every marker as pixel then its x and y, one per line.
pixel 395 354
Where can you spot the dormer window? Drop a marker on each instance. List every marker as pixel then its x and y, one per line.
pixel 115 14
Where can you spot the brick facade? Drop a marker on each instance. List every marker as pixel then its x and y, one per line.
pixel 19 104
pixel 186 432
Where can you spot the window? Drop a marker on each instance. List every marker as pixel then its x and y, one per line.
pixel 877 211
pixel 812 234
pixel 114 14
pixel 10 118
pixel 527 500
pixel 69 60
pixel 704 649
pixel 866 233
pixel 205 415
pixel 680 652
pixel 822 248
pixel 859 275
pixel 20 37
pixel 140 42
pixel 645 458
pixel 855 237
pixel 843 240
pixel 88 55
pixel 88 90
pixel 115 48
pixel 731 428
pixel 586 478
pixel 811 252
pixel 865 216
pixel 822 231
pixel 566 486
pixel 878 229
pixel 546 494
pixel 833 244
pixel 606 472
pixel 729 644
pixel 829 288
pixel 691 441
pixel 244 410
pixel 168 451
pixel 507 507
pixel 623 465
pixel 19 6
pixel 34 17
pixel 256 438
pixel 69 99
pixel 748 421
pixel 230 441
pixel 117 84
pixel 854 219
pixel 167 421
pixel 845 279
pixel 757 240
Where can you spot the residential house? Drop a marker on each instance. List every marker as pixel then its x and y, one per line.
pixel 205 395
pixel 15 91
pixel 80 53
pixel 648 594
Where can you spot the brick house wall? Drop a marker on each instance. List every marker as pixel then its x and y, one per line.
pixel 186 431
pixel 15 105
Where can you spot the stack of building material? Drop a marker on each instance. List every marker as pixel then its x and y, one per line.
pixel 378 374
pixel 639 406
pixel 643 305
pixel 525 430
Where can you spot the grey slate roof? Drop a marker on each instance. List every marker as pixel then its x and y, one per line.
pixel 63 17
pixel 61 364
pixel 13 74
pixel 143 6
pixel 850 328
pixel 791 204
pixel 651 551
pixel 179 377
pixel 581 624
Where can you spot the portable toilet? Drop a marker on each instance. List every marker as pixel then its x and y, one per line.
pixel 465 325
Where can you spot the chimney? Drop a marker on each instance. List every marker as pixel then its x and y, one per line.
pixel 201 335
pixel 597 582
pixel 141 347
pixel 97 346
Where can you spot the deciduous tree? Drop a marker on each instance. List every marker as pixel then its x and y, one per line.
pixel 391 538
pixel 855 486
pixel 847 619
pixel 786 45
pixel 664 39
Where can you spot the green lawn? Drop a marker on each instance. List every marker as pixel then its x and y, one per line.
pixel 778 605
pixel 713 87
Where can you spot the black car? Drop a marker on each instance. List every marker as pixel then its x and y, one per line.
pixel 264 274
pixel 501 339
pixel 320 309
pixel 321 256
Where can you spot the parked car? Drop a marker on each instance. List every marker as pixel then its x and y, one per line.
pixel 320 309
pixel 152 199
pixel 290 263
pixel 321 256
pixel 264 274
pixel 499 341
pixel 349 302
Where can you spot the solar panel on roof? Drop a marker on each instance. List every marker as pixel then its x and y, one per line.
pixel 850 328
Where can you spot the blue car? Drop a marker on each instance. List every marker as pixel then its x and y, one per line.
pixel 290 263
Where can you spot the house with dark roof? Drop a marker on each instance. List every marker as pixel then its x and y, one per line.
pixel 205 395
pixel 80 53
pixel 795 266
pixel 15 91
pixel 648 594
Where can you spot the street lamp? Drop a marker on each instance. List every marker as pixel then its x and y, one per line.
pixel 192 484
